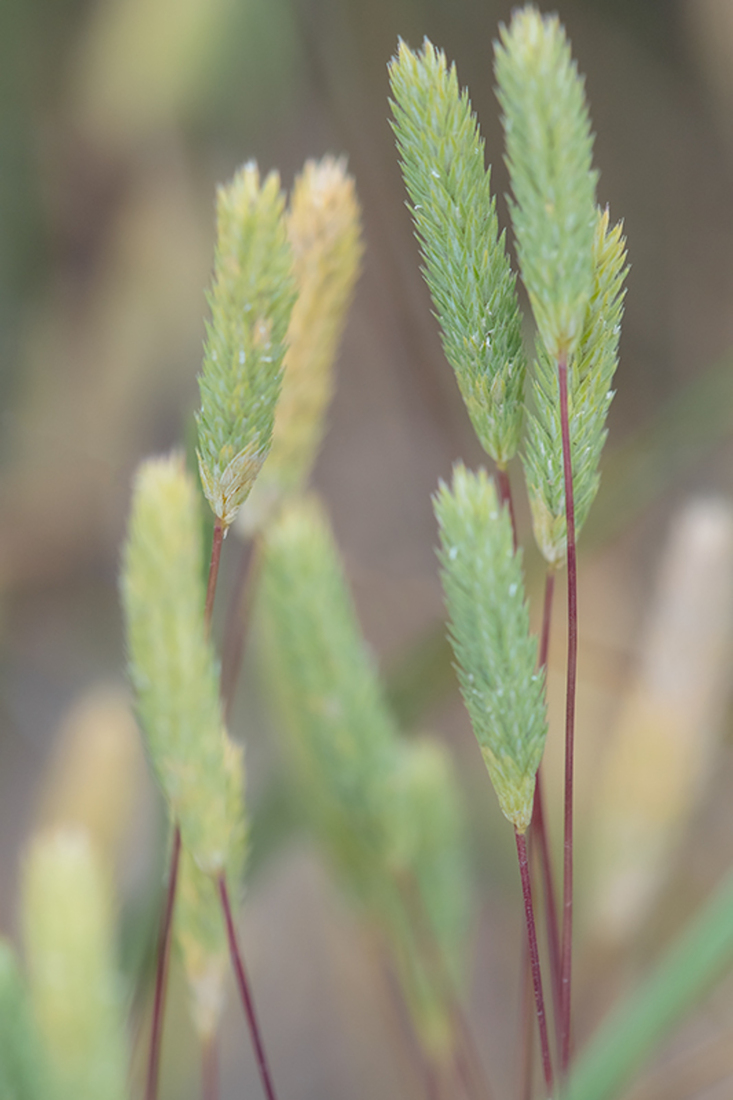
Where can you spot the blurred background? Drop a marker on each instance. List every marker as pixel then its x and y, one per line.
pixel 117 120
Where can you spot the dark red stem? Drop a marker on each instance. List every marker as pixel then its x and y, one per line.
pixel 161 974
pixel 539 827
pixel 505 496
pixel 534 959
pixel 244 991
pixel 567 910
pixel 213 571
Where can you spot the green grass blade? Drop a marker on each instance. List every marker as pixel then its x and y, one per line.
pixel 698 958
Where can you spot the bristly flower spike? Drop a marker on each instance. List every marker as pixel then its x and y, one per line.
pixel 199 922
pixel 172 665
pixel 589 397
pixel 549 155
pixel 251 299
pixel 387 811
pixel 497 666
pixel 489 629
pixel 324 231
pixel 466 265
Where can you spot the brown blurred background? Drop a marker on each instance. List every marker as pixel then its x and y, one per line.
pixel 117 119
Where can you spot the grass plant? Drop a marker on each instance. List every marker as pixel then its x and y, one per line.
pixel 387 810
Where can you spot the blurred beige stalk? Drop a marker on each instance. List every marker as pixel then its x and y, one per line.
pixel 661 754
pixel 96 771
pixel 142 65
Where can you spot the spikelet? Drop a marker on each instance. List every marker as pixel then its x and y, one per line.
pixel 251 299
pixel 199 923
pixel 387 813
pixel 549 152
pixel 466 265
pixel 171 661
pixel 323 224
pixel 341 733
pixel 489 630
pixel 23 1073
pixel 589 397
pixel 75 990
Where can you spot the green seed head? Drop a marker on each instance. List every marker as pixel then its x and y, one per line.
pixel 251 299
pixel 489 629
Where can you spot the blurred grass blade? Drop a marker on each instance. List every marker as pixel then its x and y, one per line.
pixel 21 1059
pixel 700 956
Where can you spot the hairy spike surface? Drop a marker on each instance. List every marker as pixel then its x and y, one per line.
pixel 171 661
pixel 342 734
pixel 549 155
pixel 489 629
pixel 324 230
pixel 251 300
pixel 589 397
pixel 466 265
pixel 199 922
pixel 76 993
pixel 387 812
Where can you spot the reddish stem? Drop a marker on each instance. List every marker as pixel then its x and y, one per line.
pixel 567 913
pixel 161 975
pixel 244 991
pixel 539 830
pixel 526 1020
pixel 534 959
pixel 547 617
pixel 235 631
pixel 210 1069
pixel 213 571
pixel 505 496
pixel 539 827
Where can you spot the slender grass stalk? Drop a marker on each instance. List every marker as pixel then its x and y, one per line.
pixel 572 668
pixel 539 832
pixel 161 972
pixel 235 631
pixel 539 827
pixel 245 992
pixel 217 539
pixel 505 497
pixel 526 1025
pixel 534 959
